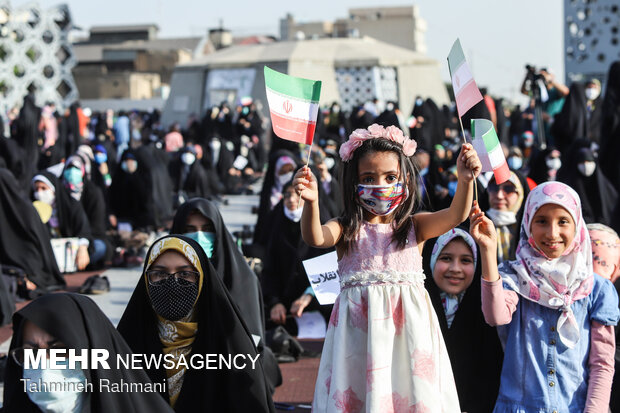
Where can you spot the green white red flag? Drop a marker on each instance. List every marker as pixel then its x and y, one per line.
pixel 293 104
pixel 465 89
pixel 489 150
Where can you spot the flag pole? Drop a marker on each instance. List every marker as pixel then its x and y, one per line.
pixel 310 151
pixel 465 141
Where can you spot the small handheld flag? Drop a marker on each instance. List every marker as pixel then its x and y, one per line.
pixel 489 150
pixel 466 91
pixel 293 104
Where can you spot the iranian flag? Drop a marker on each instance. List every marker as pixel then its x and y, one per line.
pixel 489 150
pixel 293 104
pixel 466 91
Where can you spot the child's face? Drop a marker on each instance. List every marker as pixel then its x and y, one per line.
pixel 292 201
pixel 553 230
pixel 454 269
pixel 378 168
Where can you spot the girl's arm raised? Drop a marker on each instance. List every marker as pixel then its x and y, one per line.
pixel 497 304
pixel 431 225
pixel 313 233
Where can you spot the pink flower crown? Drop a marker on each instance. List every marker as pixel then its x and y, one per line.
pixel 375 131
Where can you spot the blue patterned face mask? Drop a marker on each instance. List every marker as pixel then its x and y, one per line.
pixel 68 400
pixel 205 239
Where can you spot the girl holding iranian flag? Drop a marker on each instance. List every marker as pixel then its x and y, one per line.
pixel 554 314
pixel 384 349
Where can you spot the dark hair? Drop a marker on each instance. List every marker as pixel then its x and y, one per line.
pixel 353 214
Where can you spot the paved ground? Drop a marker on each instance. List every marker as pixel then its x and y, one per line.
pixel 298 377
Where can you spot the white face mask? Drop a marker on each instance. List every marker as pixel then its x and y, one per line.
pixel 67 401
pixel 554 163
pixel 188 158
pixel 592 93
pixel 295 215
pixel 47 195
pixel 587 168
pixel 283 179
pixel 330 162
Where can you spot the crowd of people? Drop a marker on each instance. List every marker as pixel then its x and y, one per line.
pixel 513 311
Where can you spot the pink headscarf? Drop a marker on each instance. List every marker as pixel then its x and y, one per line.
pixel 553 283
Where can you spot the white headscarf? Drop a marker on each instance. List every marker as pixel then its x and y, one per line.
pixel 553 283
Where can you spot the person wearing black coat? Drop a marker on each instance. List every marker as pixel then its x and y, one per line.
pixel 24 239
pixel 610 127
pixel 73 321
pixel 474 348
pixel 68 219
pixel 582 173
pixel 580 117
pixel 82 189
pixel 190 313
pixel 284 280
pixel 201 220
pixel 130 199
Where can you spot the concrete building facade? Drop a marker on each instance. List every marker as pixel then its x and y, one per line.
pixel 401 26
pixel 131 62
pixel 353 70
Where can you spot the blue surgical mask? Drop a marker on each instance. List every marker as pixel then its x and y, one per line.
pixel 424 171
pixel 73 176
pixel 452 187
pixel 205 239
pixel 515 162
pixel 69 400
pixel 101 158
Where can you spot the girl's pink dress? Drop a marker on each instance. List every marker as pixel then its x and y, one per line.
pixel 384 351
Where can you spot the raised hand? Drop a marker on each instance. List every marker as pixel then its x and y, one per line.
pixel 305 184
pixel 468 164
pixel 482 229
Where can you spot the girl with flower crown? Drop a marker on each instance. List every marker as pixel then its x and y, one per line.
pixel 384 349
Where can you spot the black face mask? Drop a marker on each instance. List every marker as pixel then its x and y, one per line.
pixel 171 300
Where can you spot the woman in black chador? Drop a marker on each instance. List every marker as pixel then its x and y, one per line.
pixel 200 220
pixel 181 308
pixel 24 239
pixel 73 321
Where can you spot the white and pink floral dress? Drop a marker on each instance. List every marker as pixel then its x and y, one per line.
pixel 384 351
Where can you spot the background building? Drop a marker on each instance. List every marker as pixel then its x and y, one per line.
pixel 35 55
pixel 353 71
pixel 401 26
pixel 131 62
pixel 591 38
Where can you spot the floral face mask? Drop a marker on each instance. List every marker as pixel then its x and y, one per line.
pixel 382 199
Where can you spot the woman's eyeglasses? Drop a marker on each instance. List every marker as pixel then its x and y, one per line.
pixel 508 189
pixel 183 278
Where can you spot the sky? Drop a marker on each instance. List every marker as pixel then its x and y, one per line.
pixel 498 36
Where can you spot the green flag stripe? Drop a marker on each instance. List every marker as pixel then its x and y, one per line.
pixel 456 57
pixel 490 140
pixel 303 89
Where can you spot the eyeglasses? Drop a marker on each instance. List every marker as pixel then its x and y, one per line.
pixel 183 278
pixel 508 189
pixel 18 353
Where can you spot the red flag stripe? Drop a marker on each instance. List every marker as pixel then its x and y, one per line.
pixel 502 173
pixel 467 97
pixel 291 129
